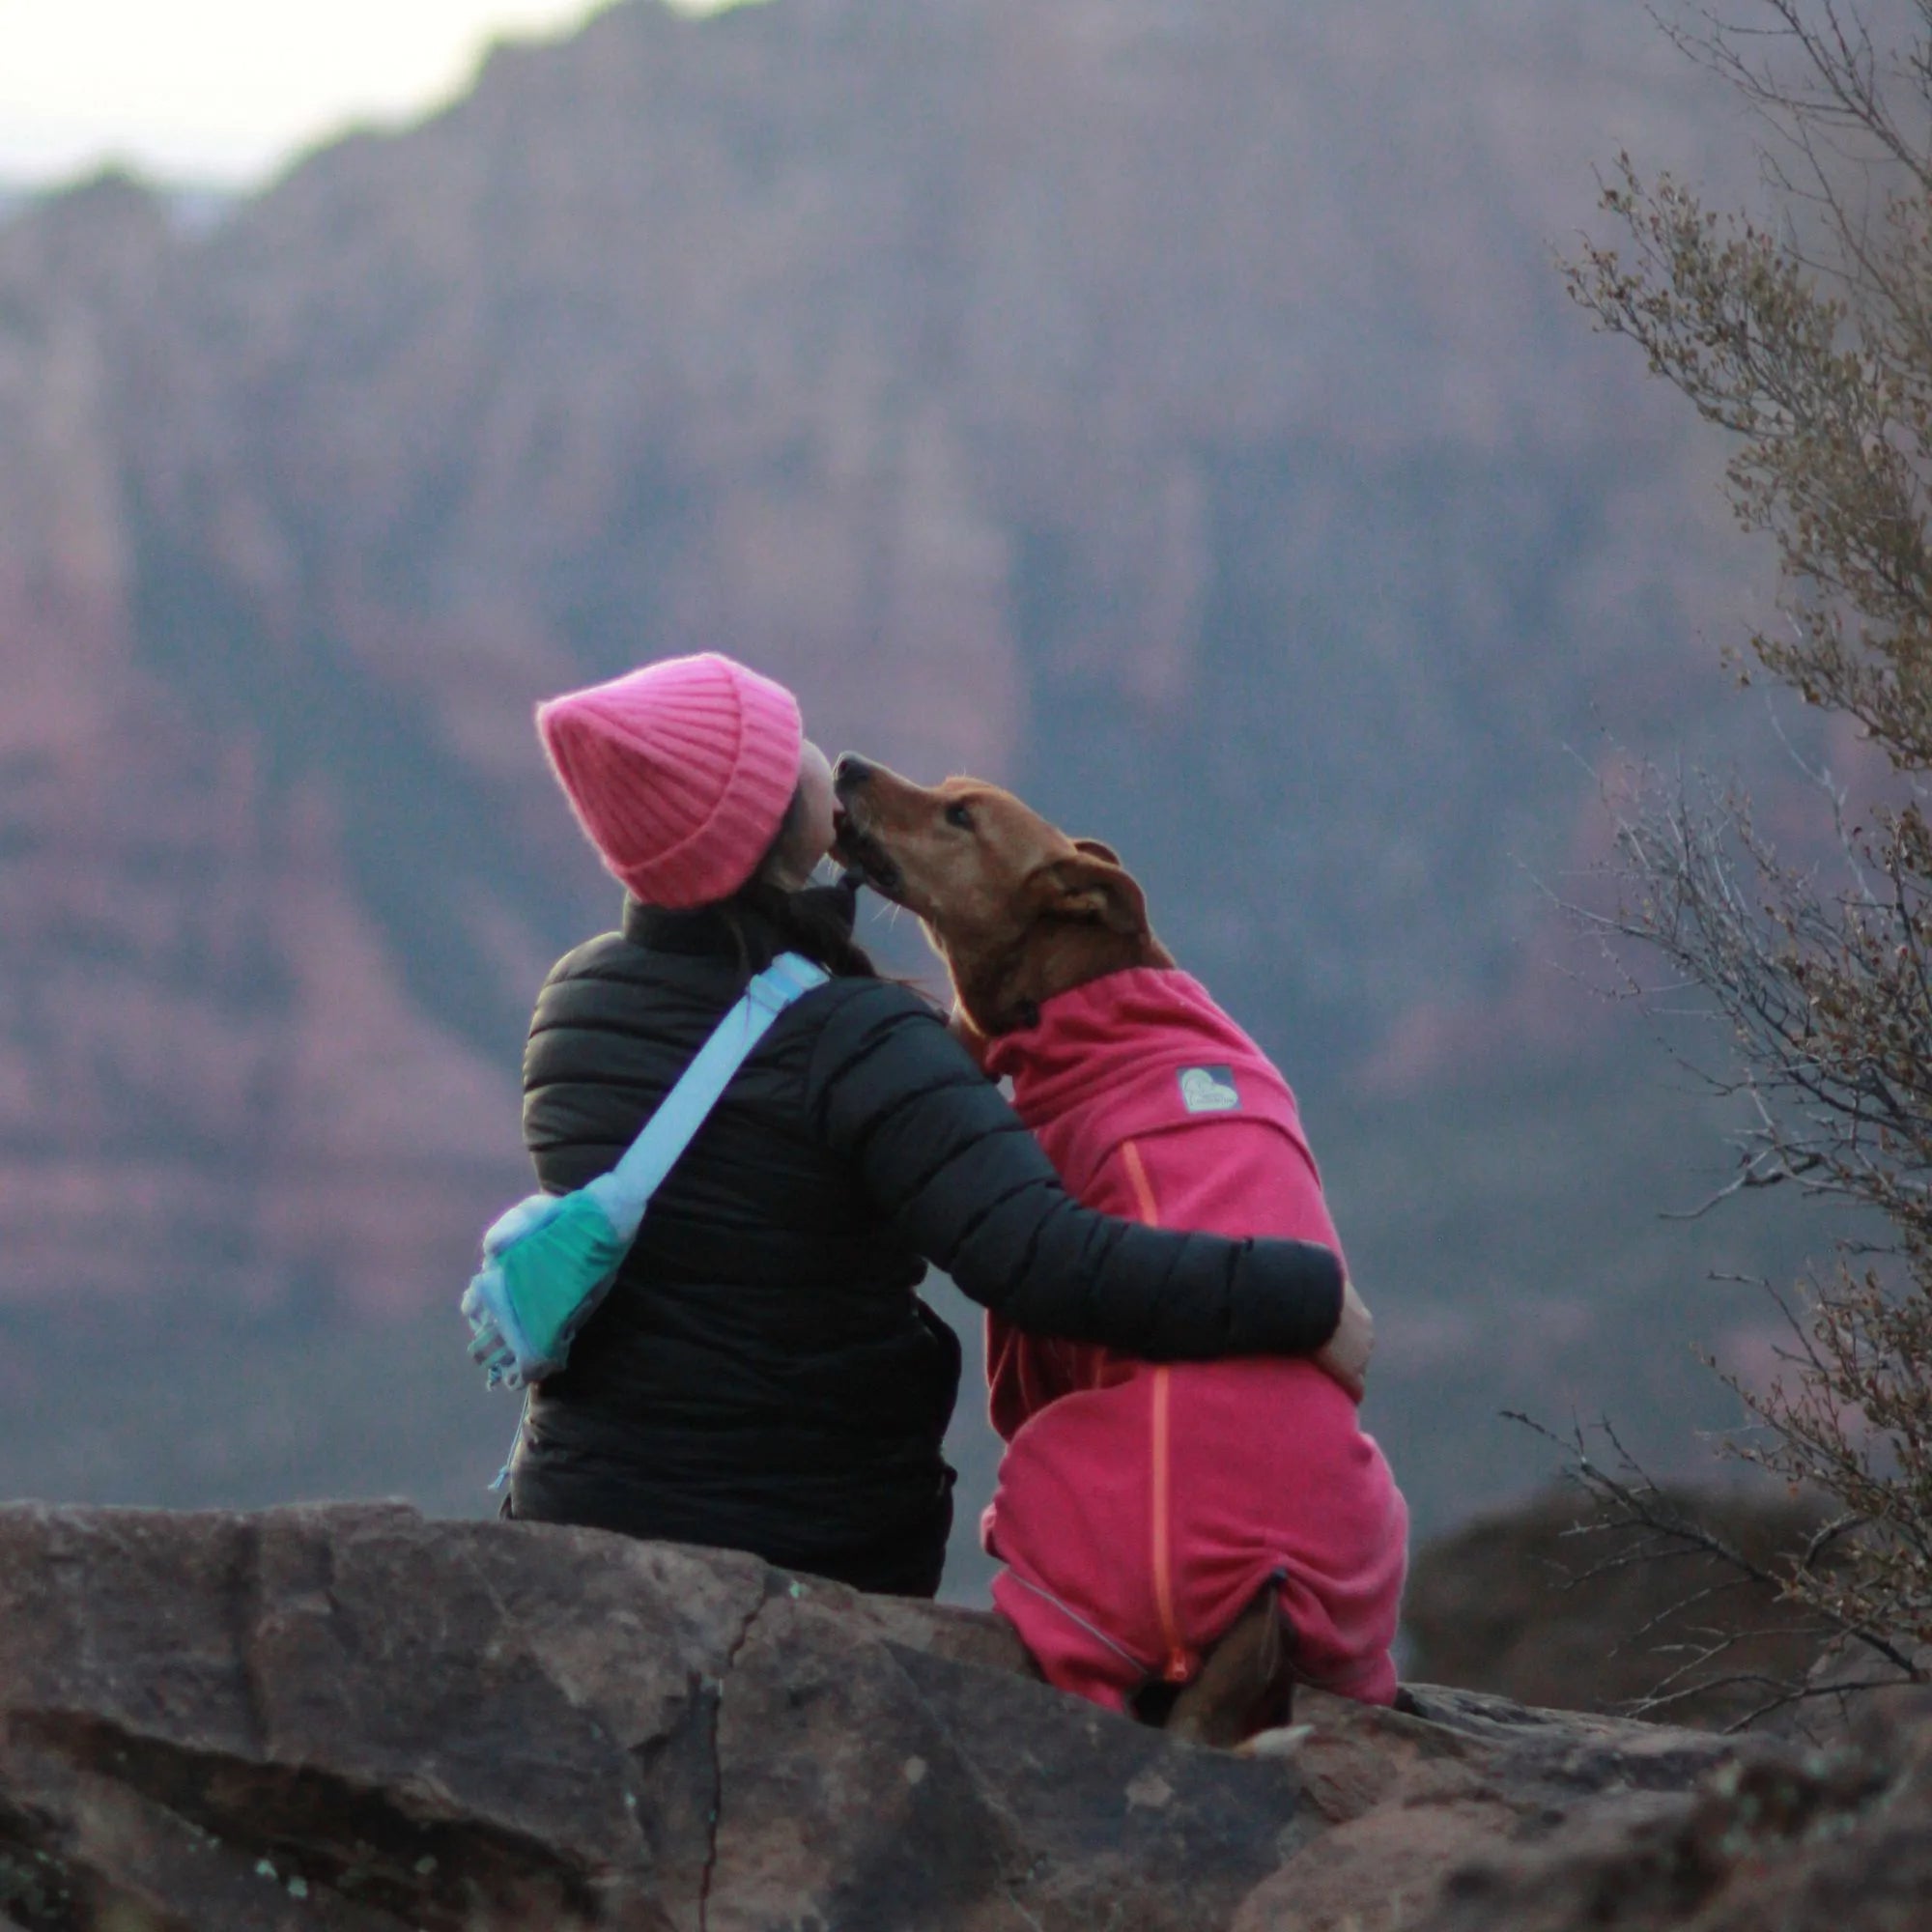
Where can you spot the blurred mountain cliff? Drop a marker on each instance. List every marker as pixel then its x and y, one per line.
pixel 1169 409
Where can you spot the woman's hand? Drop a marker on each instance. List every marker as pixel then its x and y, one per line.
pixel 1346 1354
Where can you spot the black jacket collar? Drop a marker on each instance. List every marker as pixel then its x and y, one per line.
pixel 712 933
pixel 703 930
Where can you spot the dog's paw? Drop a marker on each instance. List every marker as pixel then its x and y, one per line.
pixel 1284 1741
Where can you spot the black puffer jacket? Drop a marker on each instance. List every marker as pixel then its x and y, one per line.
pixel 762 1375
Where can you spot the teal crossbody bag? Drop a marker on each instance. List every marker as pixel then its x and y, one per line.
pixel 549 1260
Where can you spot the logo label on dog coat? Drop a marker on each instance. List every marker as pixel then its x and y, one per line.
pixel 1209 1090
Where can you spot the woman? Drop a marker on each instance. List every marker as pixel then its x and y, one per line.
pixel 762 1375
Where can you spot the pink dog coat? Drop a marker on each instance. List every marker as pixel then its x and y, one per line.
pixel 1142 1507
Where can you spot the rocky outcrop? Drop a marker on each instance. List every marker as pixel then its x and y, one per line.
pixel 1550 1603
pixel 353 1717
pixel 215 1087
pixel 1777 1841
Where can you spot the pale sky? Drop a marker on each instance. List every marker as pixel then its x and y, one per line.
pixel 223 91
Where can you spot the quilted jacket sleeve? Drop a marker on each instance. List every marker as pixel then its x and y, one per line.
pixel 954 1169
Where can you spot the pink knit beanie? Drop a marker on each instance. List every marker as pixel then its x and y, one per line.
pixel 680 773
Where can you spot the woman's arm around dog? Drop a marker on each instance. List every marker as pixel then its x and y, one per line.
pixel 950 1164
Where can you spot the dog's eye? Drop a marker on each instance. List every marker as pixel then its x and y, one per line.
pixel 957 814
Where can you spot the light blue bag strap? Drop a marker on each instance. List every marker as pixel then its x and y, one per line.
pixel 626 1191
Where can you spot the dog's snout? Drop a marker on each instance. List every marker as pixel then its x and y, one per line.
pixel 851 772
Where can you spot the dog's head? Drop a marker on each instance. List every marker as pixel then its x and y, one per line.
pixel 1017 909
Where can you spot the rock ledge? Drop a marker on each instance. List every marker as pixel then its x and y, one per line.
pixel 352 1717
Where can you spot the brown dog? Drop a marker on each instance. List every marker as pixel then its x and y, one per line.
pixel 1018 910
pixel 1022 916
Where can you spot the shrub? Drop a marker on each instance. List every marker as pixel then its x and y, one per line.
pixel 1806 337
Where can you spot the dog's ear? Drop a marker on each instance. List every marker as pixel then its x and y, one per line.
pixel 1089 886
pixel 1096 848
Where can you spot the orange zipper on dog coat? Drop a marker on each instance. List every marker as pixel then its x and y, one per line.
pixel 1176 1669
